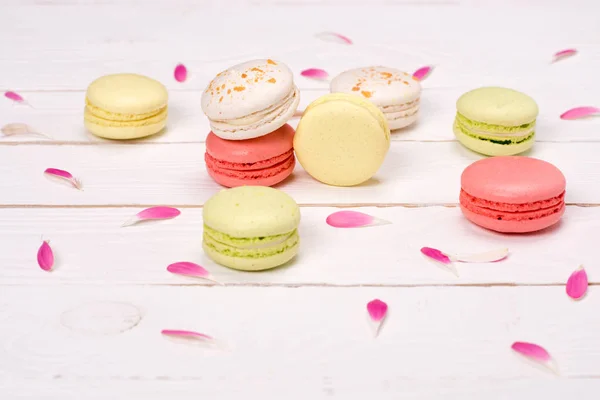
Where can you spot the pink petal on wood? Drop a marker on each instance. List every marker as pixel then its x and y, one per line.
pixel 190 337
pixel 180 73
pixel 14 96
pixel 436 255
pixel 563 54
pixel 577 284
pixel 580 112
pixel 45 256
pixel 190 269
pixel 62 174
pixel 186 334
pixel 315 73
pixel 422 73
pixel 353 219
pixel 153 213
pixel 377 310
pixel 333 37
pixel 535 353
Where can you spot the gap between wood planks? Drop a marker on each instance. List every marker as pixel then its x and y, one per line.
pixel 306 205
pixel 307 285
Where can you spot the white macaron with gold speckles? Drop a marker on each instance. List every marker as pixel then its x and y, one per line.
pixel 250 99
pixel 395 92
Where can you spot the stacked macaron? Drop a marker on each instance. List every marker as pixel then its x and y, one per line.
pixel 248 107
pixel 395 92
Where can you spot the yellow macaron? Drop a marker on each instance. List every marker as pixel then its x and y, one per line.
pixel 125 106
pixel 341 139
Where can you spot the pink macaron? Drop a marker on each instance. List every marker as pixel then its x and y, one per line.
pixel 512 194
pixel 262 161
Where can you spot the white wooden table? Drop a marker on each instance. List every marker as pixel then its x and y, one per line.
pixel 91 328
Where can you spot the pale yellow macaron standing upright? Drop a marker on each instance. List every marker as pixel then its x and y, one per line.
pixel 341 139
pixel 125 106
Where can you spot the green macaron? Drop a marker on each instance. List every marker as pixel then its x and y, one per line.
pixel 496 121
pixel 251 228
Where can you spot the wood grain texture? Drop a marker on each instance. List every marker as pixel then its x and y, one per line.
pixel 91 328
pixel 175 174
pixel 92 249
pixel 429 333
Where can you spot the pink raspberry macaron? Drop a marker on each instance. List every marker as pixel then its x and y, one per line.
pixel 262 161
pixel 512 194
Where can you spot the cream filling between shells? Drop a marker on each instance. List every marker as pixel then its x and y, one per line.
pixel 258 118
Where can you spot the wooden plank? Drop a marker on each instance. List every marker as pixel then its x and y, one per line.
pixel 60 115
pixel 413 172
pixel 514 61
pixel 315 388
pixel 92 248
pixel 297 336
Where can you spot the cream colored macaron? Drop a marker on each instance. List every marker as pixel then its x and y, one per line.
pixel 342 139
pixel 125 106
pixel 250 99
pixel 395 92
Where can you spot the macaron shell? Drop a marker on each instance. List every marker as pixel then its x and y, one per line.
pixel 260 128
pixel 492 149
pixel 247 88
pixel 497 105
pixel 254 150
pixel 251 211
pixel 381 85
pixel 129 94
pixel 270 175
pixel 123 130
pixel 513 179
pixel 402 122
pixel 513 226
pixel 342 139
pixel 251 264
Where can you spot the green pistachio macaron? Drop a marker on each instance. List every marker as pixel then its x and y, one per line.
pixel 496 121
pixel 251 228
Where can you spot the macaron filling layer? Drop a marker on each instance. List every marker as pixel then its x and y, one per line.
pixel 494 138
pixel 259 118
pixel 512 211
pixel 257 247
pixel 472 125
pixel 98 113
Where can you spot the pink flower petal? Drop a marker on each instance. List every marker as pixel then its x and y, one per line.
pixel 443 259
pixel 62 174
pixel 580 112
pixel 190 269
pixel 187 334
pixel 45 256
pixel 18 128
pixel 436 255
pixel 180 73
pixel 153 213
pixel 377 310
pixel 14 96
pixel 190 337
pixel 353 219
pixel 577 284
pixel 333 37
pixel 315 73
pixel 563 54
pixel 422 73
pixel 535 353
